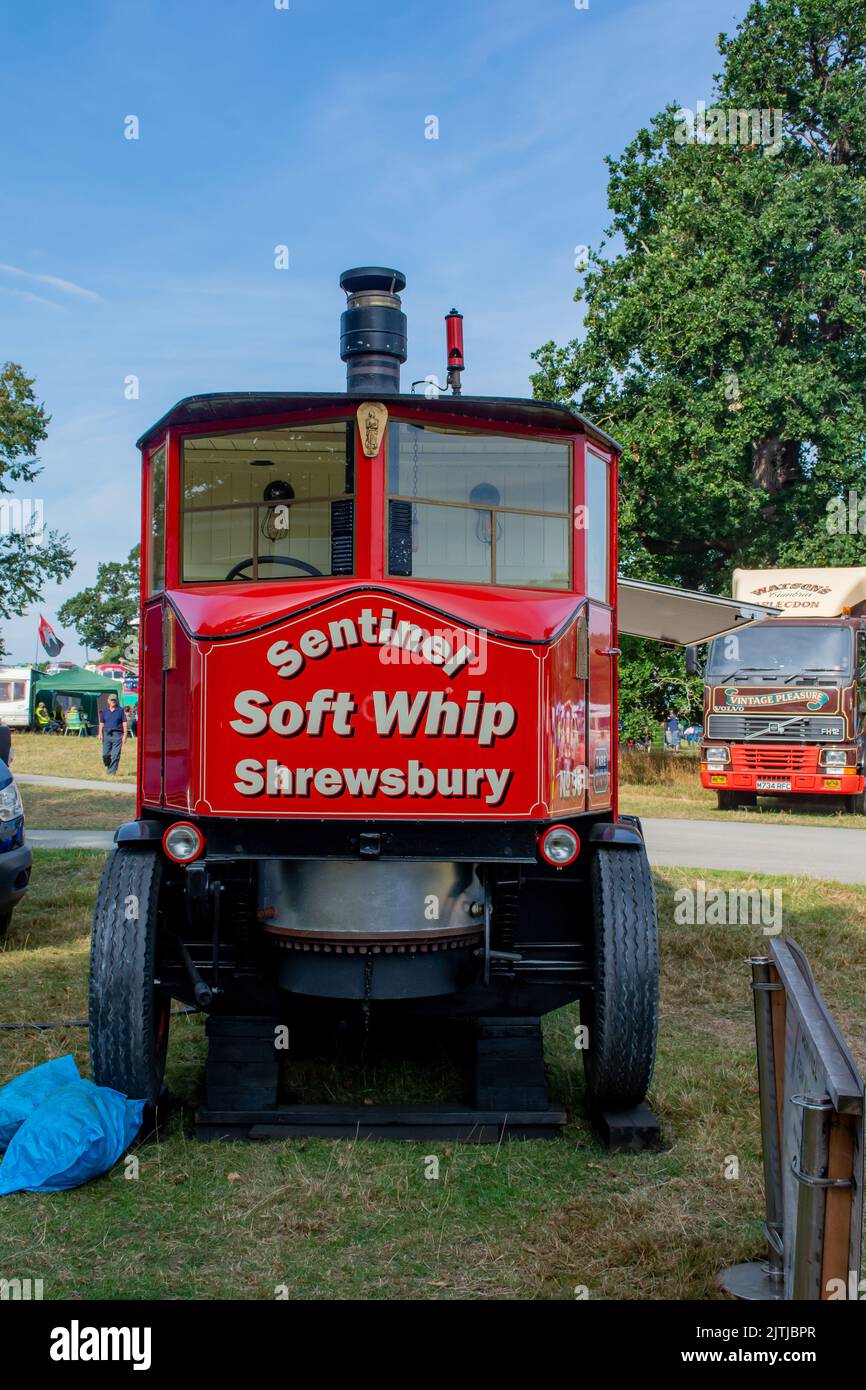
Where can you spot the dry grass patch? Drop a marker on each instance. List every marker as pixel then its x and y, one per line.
pixel 61 808
pixel 61 755
pixel 691 801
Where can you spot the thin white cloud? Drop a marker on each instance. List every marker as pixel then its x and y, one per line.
pixel 33 298
pixel 54 281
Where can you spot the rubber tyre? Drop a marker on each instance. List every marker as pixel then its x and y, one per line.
pixel 855 805
pixel 622 1014
pixel 727 801
pixel 5 919
pixel 128 1017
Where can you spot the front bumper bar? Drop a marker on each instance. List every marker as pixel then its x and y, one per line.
pixel 801 783
pixel 15 868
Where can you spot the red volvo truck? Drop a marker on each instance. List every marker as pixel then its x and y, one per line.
pixel 785 702
pixel 377 747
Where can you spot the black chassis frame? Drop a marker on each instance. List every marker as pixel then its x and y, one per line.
pixel 211 935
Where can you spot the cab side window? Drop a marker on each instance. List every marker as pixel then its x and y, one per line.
pixel 597 527
pixel 156 486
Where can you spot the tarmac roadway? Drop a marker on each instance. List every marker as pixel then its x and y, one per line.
pixel 823 852
pixel 794 851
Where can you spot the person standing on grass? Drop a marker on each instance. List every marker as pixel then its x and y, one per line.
pixel 112 731
pixel 672 732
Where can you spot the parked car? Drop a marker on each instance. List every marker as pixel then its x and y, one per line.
pixel 15 856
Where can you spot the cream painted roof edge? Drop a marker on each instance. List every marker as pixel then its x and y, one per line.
pixel 810 593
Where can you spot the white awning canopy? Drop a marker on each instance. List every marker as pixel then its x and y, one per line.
pixel 680 616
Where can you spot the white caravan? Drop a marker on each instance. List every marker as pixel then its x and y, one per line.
pixel 15 696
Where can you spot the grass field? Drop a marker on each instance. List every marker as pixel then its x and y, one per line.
pixel 70 756
pixel 61 808
pixel 679 802
pixel 357 1220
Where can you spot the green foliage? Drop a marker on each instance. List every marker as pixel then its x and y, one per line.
pixel 653 681
pixel 28 559
pixel 102 615
pixel 23 426
pixel 725 340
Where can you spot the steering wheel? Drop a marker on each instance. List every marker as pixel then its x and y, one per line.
pixel 235 570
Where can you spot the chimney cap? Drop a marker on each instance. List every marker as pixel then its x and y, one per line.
pixel 373 277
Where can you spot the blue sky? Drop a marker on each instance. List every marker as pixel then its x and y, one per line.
pixel 305 127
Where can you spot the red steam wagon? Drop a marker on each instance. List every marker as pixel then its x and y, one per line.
pixel 377 762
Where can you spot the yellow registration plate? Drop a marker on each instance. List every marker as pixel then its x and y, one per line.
pixel 718 781
pixel 833 784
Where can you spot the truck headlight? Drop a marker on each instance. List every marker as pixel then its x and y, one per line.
pixel 835 757
pixel 716 757
pixel 11 806
pixel 183 842
pixel 559 845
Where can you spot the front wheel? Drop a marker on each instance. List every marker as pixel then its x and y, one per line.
pixel 855 804
pixel 128 1017
pixel 5 919
pixel 622 1014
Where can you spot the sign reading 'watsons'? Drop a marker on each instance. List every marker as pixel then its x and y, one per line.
pixel 365 711
pixel 791 595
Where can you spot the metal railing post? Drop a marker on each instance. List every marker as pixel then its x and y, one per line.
pixel 762 988
pixel 810 1169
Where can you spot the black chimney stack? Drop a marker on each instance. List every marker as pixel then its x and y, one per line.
pixel 373 330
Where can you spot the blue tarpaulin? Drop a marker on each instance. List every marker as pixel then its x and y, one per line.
pixel 20 1097
pixel 75 1132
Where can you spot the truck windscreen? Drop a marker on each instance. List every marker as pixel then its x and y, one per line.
pixel 268 504
pixel 781 650
pixel 480 508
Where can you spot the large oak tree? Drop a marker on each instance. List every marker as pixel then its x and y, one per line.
pixel 724 335
pixel 724 330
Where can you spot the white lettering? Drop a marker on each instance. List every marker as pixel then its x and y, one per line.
pixel 286 659
pixel 250 780
pixel 314 644
pixel 248 703
pixel 77 1343
pixel 287 718
pixel 398 711
pixel 497 721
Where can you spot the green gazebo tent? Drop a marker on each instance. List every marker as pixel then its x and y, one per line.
pixel 86 689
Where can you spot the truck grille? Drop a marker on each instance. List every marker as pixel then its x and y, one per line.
pixel 760 758
pixel 774 728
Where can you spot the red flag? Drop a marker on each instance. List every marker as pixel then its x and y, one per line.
pixel 49 639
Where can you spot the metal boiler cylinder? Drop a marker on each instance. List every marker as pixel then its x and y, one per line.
pixel 378 930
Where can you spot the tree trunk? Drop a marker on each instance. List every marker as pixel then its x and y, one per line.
pixel 775 463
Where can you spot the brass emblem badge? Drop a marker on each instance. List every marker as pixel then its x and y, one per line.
pixel 372 419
